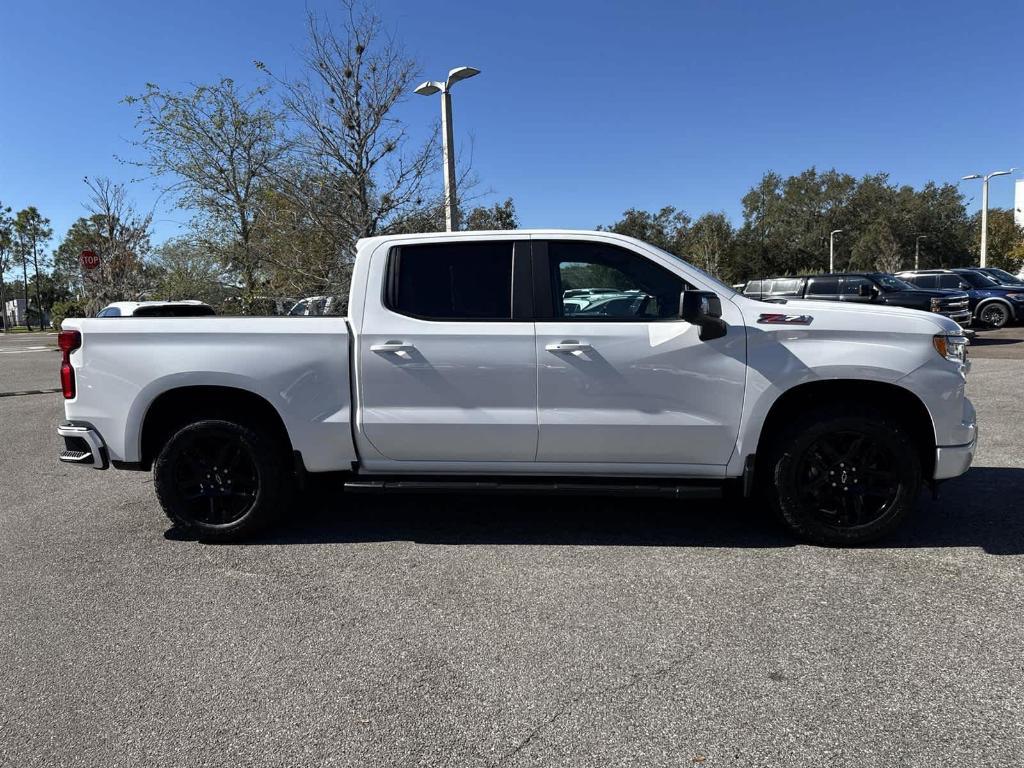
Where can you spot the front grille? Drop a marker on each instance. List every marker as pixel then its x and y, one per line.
pixel 954 304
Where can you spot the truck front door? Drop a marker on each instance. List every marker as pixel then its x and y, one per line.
pixel 621 379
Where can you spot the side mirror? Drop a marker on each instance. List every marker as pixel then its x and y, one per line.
pixel 703 309
pixel 866 291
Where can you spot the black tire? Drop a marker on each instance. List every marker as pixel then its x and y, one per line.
pixel 995 314
pixel 843 476
pixel 220 480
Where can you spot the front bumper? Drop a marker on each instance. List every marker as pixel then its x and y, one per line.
pixel 83 445
pixel 954 460
pixel 961 317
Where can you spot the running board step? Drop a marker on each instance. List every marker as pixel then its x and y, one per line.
pixel 577 488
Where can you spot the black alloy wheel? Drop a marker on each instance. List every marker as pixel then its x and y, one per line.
pixel 219 479
pixel 847 479
pixel 843 475
pixel 995 315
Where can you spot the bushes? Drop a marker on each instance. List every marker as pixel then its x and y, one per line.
pixel 69 308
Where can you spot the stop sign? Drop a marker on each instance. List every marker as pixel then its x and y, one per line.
pixel 89 259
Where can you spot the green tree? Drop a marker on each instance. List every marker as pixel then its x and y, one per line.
pixel 1005 240
pixel 186 271
pixel 33 232
pixel 668 228
pixel 710 245
pixel 6 256
pixel 497 216
pixel 787 222
pixel 219 146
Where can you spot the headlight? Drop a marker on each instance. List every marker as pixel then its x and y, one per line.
pixel 951 346
pixel 1015 296
pixel 936 305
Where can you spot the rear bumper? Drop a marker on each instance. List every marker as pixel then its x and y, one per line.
pixel 83 445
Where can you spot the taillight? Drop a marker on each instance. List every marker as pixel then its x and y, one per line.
pixel 68 342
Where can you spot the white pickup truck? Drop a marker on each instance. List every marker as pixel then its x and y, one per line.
pixel 529 361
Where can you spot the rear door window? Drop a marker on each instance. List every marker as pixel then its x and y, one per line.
pixel 950 281
pixel 823 286
pixel 451 281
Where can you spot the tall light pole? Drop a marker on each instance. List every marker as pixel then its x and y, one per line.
pixel 984 206
pixel 832 250
pixel 917 251
pixel 429 88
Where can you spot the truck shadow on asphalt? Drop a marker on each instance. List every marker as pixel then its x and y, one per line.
pixel 981 509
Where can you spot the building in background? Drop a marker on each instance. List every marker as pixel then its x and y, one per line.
pixel 1018 203
pixel 14 313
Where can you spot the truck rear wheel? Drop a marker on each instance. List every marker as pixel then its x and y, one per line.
pixel 219 479
pixel 843 477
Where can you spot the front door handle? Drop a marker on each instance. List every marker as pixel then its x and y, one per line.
pixel 392 346
pixel 569 345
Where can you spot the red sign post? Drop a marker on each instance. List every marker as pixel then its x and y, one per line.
pixel 89 260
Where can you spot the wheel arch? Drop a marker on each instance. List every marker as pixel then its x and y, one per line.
pixel 906 406
pixel 174 408
pixel 994 300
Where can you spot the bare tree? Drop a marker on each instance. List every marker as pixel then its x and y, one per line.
pixel 120 236
pixel 351 141
pixel 219 144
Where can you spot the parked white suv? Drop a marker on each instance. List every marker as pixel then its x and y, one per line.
pixel 459 368
pixel 186 308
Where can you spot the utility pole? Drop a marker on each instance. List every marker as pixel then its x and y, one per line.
pixel 429 88
pixel 832 250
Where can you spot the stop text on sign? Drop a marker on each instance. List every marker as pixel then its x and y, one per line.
pixel 89 259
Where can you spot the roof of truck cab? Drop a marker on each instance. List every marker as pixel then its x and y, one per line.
pixel 506 233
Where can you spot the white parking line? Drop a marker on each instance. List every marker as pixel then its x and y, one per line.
pixel 26 349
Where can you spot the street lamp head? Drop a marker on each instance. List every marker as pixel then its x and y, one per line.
pixel 1000 173
pixel 460 73
pixel 835 232
pixel 972 176
pixel 429 88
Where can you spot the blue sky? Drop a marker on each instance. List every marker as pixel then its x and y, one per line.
pixel 582 110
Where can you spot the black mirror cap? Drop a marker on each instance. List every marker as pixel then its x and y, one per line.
pixel 703 309
pixel 865 291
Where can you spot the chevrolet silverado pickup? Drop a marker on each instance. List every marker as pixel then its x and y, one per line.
pixel 494 361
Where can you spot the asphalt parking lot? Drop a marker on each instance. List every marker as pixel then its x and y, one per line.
pixel 510 632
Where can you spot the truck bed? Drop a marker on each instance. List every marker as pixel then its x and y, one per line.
pixel 299 365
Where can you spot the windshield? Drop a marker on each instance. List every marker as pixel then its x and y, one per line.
pixel 891 283
pixel 728 290
pixel 1003 276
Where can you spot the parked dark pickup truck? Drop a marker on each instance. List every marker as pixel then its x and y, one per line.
pixel 863 287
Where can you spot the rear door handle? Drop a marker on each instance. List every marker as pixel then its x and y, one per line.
pixel 392 346
pixel 569 345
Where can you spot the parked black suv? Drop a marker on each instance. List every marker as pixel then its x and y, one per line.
pixel 992 303
pixel 864 287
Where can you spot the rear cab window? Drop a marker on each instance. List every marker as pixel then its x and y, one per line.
pixel 451 281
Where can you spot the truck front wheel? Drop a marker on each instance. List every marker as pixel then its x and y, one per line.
pixel 219 479
pixel 843 477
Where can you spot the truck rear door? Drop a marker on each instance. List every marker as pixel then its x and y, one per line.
pixel 446 363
